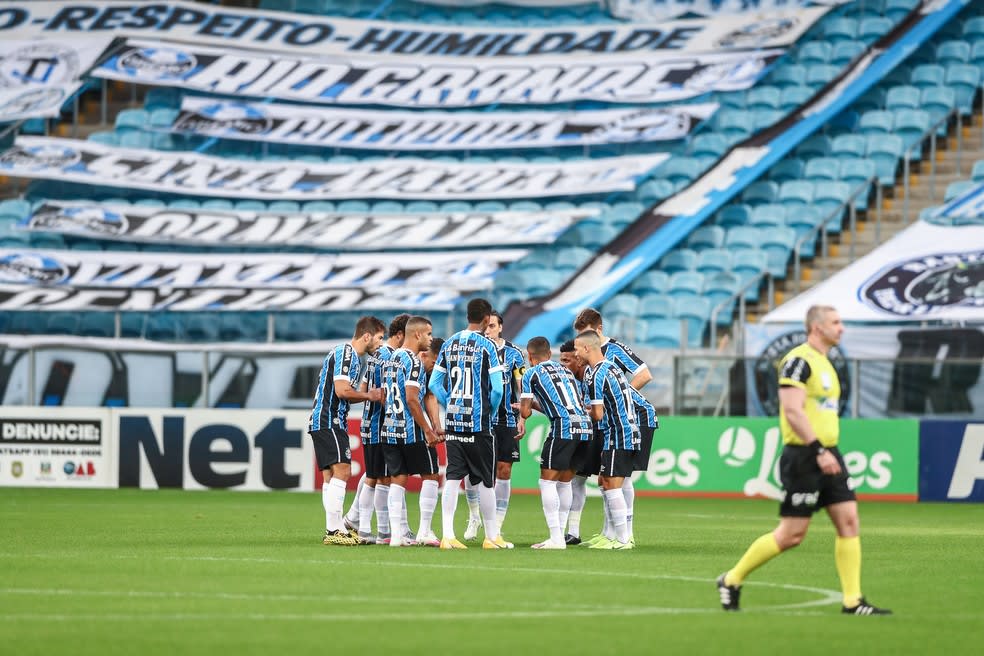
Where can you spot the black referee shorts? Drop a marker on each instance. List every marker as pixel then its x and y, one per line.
pixel 471 455
pixel 806 489
pixel 331 447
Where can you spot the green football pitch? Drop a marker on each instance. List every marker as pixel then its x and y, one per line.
pixel 171 572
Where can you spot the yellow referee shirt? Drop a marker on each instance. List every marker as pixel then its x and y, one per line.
pixel 810 370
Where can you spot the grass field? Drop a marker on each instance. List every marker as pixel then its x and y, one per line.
pixel 170 572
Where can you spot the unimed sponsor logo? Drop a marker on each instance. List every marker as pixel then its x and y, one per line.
pixel 48 431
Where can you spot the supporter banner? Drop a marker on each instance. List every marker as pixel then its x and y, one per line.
pixel 905 371
pixel 312 229
pixel 37 77
pixel 143 270
pixel 55 447
pixel 641 10
pixel 225 26
pixel 202 175
pixel 951 461
pixel 206 449
pixel 968 205
pixel 927 271
pixel 738 457
pixel 461 83
pixel 393 130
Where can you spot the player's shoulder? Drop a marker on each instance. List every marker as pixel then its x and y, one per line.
pixel 802 351
pixel 509 346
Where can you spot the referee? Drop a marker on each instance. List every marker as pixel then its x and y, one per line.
pixel 811 468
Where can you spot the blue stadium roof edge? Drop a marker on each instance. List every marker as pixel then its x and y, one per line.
pixel 656 232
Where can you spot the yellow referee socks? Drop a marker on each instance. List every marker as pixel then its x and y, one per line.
pixel 762 551
pixel 847 554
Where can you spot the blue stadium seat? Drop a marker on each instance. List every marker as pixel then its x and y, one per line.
pixel 104 138
pixel 973 29
pixel 977 53
pixel 836 30
pixel 802 222
pixel 912 125
pixel 734 123
pixel 499 206
pixel 822 168
pixel 661 333
pixel 766 118
pixel 927 75
pixel 953 52
pixel 706 237
pixel 713 260
pixel 747 264
pixel 964 79
pixel 696 312
pixel 163 327
pixel 599 237
pixel 421 207
pixel 650 282
pixel 903 97
pixel 898 9
pixel 954 189
pixel 201 327
pixel 939 102
pixel 256 206
pixel 708 144
pixel 655 190
pixel 220 204
pixel 873 98
pixel 855 171
pixel 796 192
pixel 685 284
pixel 50 241
pixel 731 216
pixel 97 324
pixel 787 75
pixel 758 193
pixel 680 259
pixel 766 97
pixel 790 168
pixel 778 244
pixel 872 28
pixel 722 288
pixel 818 145
pixel 627 304
pixel 851 145
pixel 794 96
pixel 820 74
pixel 14 211
pixel 977 173
pixel 161 118
pixel 130 120
pixel 62 323
pixel 814 52
pixel 162 98
pixel 741 238
pixel 830 196
pixel 878 121
pixel 287 206
pixel 847 51
pixel 569 260
pixel 769 215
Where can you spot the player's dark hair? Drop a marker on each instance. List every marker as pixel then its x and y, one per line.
pixel 398 324
pixel 587 318
pixel 436 344
pixel 540 347
pixel 370 325
pixel 479 310
pixel 567 347
pixel 495 313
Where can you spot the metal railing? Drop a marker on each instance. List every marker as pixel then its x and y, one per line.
pixel 930 134
pixel 820 230
pixel 739 295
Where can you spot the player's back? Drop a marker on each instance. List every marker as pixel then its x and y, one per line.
pixel 557 391
pixel 372 377
pixel 330 410
pixel 469 359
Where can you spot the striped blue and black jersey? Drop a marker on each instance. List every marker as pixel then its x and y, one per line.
pixel 372 377
pixel 331 411
pixel 607 386
pixel 630 363
pixel 403 375
pixel 513 367
pixel 559 395
pixel 469 360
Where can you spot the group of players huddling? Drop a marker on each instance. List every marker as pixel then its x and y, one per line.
pixel 599 424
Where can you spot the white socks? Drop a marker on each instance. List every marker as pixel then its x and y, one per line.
pixel 616 508
pixel 565 496
pixel 354 510
pixel 428 503
pixel 578 498
pixel 551 510
pixel 364 502
pixel 502 490
pixel 397 504
pixel 333 498
pixel 628 491
pixel 471 496
pixel 449 503
pixel 486 503
pixel 606 528
pixel 381 501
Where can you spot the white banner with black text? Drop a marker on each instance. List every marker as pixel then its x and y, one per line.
pixel 329 230
pixel 643 10
pixel 462 82
pixel 190 173
pixel 309 34
pixel 411 131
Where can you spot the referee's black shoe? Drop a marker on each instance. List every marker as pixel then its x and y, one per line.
pixel 729 593
pixel 572 539
pixel 864 608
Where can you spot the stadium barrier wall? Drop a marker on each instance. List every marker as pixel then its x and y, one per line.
pixel 730 457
